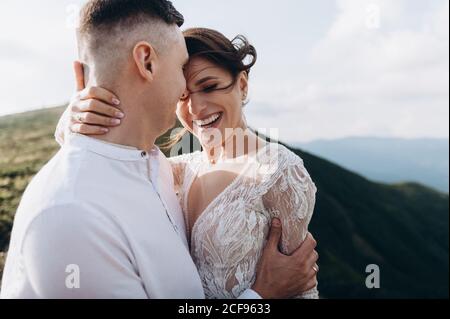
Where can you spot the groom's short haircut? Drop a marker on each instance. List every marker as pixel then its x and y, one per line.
pixel 105 14
pixel 109 28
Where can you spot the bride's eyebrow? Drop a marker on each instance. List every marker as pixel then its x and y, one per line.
pixel 199 82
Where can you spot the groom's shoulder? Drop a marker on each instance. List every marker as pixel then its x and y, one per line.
pixel 60 198
pixel 60 194
pixel 62 221
pixel 63 180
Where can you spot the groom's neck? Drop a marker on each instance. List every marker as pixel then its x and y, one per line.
pixel 136 130
pixel 124 136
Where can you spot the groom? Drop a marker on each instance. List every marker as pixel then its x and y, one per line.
pixel 101 219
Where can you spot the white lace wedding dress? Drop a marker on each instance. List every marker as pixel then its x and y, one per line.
pixel 228 237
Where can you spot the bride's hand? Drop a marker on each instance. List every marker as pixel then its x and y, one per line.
pixel 92 110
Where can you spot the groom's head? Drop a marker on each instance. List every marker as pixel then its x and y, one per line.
pixel 135 48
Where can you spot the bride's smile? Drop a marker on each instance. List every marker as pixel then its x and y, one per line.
pixel 211 107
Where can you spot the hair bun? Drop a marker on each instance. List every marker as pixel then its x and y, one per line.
pixel 245 51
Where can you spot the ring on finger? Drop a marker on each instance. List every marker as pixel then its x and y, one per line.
pixel 79 118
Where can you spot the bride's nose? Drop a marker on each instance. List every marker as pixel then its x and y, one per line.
pixel 196 105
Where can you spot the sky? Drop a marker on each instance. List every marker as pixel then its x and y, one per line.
pixel 326 69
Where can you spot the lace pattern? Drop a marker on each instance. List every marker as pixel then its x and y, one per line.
pixel 228 238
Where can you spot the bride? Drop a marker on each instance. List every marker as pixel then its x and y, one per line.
pixel 230 191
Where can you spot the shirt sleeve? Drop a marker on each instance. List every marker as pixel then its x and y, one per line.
pixel 291 198
pixel 71 252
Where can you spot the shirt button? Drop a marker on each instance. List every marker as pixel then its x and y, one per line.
pixel 144 154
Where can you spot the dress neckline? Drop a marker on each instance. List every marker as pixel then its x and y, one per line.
pixel 190 230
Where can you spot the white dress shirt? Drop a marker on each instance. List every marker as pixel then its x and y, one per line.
pixel 101 221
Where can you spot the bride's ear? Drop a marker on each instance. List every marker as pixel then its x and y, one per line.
pixel 145 59
pixel 243 84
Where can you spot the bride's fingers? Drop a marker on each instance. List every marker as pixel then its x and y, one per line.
pixel 98 93
pixel 94 119
pixel 86 129
pixel 97 107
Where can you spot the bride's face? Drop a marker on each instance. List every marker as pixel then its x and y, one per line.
pixel 211 104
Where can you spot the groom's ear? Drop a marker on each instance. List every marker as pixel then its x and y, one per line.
pixel 145 59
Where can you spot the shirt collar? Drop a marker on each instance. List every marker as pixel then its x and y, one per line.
pixel 110 150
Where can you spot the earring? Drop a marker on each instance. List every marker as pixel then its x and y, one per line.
pixel 243 100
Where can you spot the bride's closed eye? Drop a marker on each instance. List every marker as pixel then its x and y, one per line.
pixel 207 89
pixel 210 88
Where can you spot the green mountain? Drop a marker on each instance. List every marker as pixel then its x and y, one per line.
pixel 403 228
pixel 389 160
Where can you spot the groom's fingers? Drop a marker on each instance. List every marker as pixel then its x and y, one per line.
pixel 306 248
pixel 311 261
pixel 274 235
pixel 312 283
pixel 79 75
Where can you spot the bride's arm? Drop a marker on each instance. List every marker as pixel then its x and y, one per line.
pixel 291 198
pixel 91 111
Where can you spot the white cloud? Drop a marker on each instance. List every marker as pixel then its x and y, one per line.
pixel 389 80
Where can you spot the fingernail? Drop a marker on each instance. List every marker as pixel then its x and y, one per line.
pixel 115 101
pixel 115 121
pixel 120 115
pixel 105 130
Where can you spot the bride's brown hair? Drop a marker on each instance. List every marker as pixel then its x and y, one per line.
pixel 235 56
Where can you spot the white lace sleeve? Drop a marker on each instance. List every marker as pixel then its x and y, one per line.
pixel 291 198
pixel 62 128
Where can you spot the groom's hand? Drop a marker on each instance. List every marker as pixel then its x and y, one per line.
pixel 280 276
